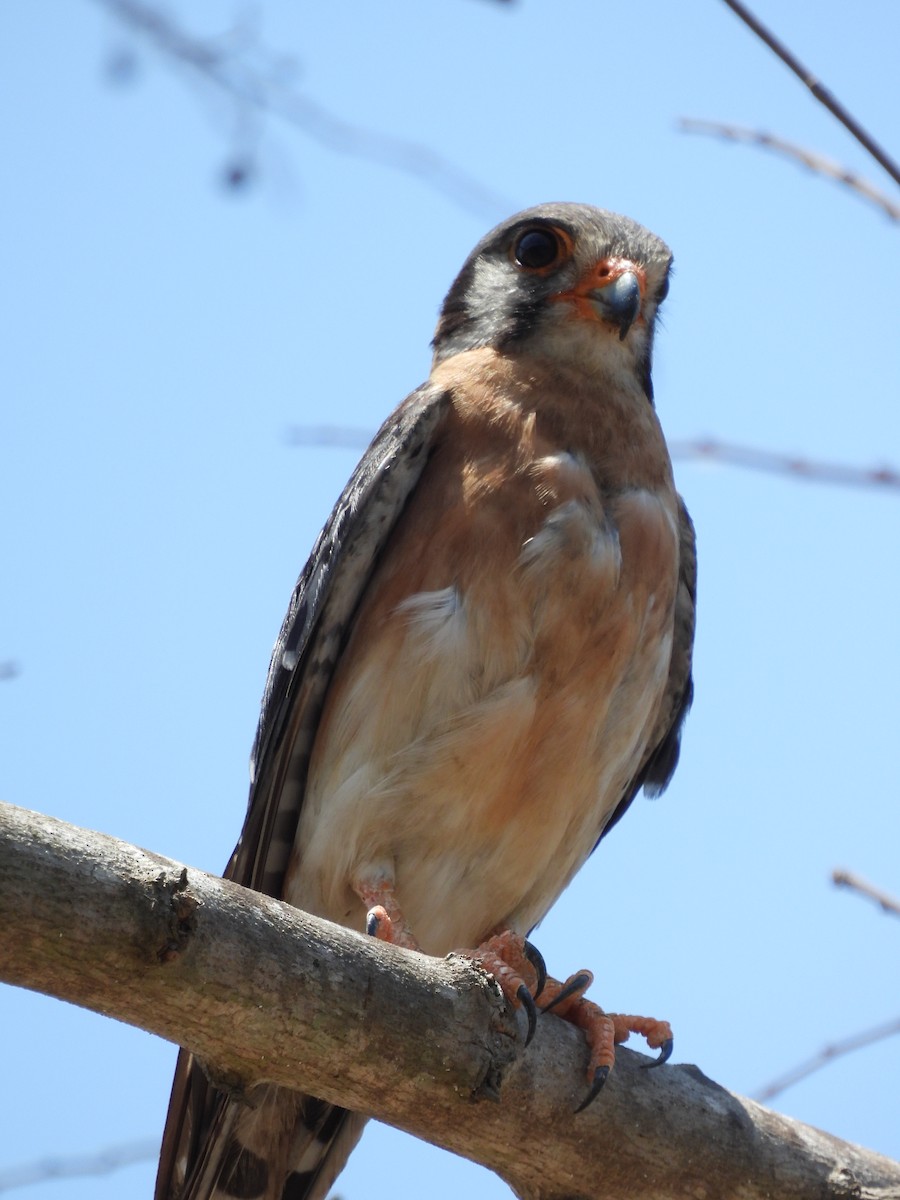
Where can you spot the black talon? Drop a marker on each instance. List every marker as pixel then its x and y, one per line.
pixel 600 1077
pixel 372 924
pixel 665 1053
pixel 576 984
pixel 527 1001
pixel 536 959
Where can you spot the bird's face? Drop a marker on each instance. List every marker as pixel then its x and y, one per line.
pixel 564 281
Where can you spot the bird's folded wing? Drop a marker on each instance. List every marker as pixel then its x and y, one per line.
pixel 196 1139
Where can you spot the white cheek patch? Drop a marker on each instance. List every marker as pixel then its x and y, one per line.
pixel 492 291
pixel 437 621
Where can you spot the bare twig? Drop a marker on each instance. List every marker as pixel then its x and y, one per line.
pixel 71 1166
pixel 847 879
pixel 239 70
pixel 826 1055
pixel 786 464
pixel 815 162
pixel 347 437
pixel 818 89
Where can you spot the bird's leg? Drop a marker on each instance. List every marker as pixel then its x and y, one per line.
pixel 384 917
pixel 603 1030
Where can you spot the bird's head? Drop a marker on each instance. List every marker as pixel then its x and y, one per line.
pixel 562 281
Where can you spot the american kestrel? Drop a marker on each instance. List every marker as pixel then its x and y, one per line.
pixel 486 657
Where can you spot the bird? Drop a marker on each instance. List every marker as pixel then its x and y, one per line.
pixel 486 657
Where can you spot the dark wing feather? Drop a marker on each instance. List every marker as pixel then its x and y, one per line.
pixel 321 611
pixel 315 630
pixel 661 760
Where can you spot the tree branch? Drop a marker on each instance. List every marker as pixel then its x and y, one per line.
pixel 266 992
pixel 73 1166
pixel 885 902
pixel 252 79
pixel 826 1055
pixel 816 163
pixel 816 87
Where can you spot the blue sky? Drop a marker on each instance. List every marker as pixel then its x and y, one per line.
pixel 162 336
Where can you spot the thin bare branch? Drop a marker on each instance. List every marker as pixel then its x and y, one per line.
pixel 826 1055
pixel 815 162
pixel 847 879
pixel 818 89
pixel 252 78
pixel 418 1041
pixel 350 438
pixel 104 1162
pixel 794 466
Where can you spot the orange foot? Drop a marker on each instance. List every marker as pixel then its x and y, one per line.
pixel 521 975
pixel 603 1030
pixel 519 970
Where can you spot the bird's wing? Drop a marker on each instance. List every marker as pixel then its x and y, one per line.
pixel 196 1142
pixel 661 758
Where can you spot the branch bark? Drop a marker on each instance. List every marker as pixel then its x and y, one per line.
pixel 265 992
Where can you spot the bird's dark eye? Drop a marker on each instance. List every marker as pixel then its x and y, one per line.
pixel 663 291
pixel 536 249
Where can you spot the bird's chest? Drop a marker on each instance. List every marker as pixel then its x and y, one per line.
pixel 520 568
pixel 498 691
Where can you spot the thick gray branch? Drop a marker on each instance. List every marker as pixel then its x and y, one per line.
pixel 265 992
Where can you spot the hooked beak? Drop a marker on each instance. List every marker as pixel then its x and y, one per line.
pixel 619 301
pixel 611 291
